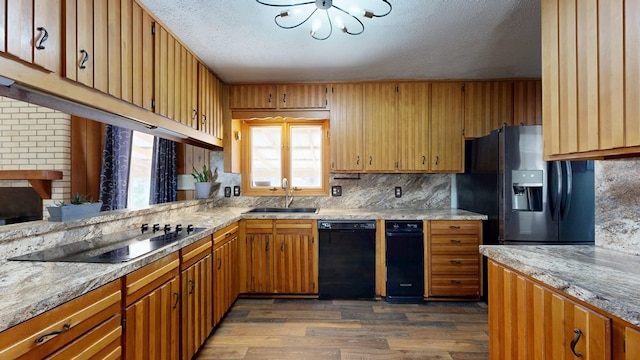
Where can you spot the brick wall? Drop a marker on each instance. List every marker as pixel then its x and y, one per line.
pixel 35 138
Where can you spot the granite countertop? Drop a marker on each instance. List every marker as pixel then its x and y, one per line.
pixel 31 288
pixel 606 279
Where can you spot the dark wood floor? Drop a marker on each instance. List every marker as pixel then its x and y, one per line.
pixel 323 329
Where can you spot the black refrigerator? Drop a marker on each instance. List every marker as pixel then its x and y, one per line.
pixel 527 200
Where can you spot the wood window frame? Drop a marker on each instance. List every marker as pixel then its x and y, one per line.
pixel 284 122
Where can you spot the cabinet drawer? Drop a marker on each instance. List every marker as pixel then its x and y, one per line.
pixel 144 280
pixel 452 244
pixel 455 285
pixel 190 254
pixel 103 342
pixel 225 234
pixel 452 264
pixel 259 226
pixel 455 227
pixel 55 328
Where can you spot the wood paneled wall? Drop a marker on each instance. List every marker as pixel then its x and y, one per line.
pixel 87 142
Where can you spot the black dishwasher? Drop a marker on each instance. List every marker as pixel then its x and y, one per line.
pixel 347 259
pixel 405 261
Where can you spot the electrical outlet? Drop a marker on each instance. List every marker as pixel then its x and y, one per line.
pixel 236 190
pixel 398 191
pixel 336 190
pixel 227 191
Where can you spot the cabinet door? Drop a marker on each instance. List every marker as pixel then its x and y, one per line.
pixel 220 291
pixel 47 15
pixel 347 127
pixel 632 343
pixel 302 96
pixel 413 126
pixel 488 105
pixel 100 45
pixel 151 330
pixel 252 97
pixel 295 259
pixel 197 305
pixel 380 127
pixel 232 272
pixel 20 29
pixel 527 102
pixel 3 25
pixel 447 142
pixel 138 56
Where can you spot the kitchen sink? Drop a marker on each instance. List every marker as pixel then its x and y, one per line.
pixel 284 210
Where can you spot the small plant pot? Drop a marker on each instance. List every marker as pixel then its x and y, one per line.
pixel 73 212
pixel 203 189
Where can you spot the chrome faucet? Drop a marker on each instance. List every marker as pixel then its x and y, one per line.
pixel 288 196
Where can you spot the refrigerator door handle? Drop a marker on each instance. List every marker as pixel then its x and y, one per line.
pixel 566 204
pixel 555 195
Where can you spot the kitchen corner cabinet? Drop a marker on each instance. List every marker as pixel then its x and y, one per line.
pixel 413 120
pixel 452 258
pixel 87 327
pixel 225 271
pixel 528 320
pixel 447 115
pixel 347 127
pixel 33 31
pixel 197 296
pixel 210 106
pixel 152 310
pixel 380 135
pixel 590 78
pixel 279 257
pixel 488 105
pixel 286 96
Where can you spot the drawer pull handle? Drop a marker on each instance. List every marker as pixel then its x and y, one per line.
pixel 454 241
pixel 454 227
pixel 456 262
pixel 574 342
pixel 456 282
pixel 44 38
pixel 219 263
pixel 227 234
pixel 65 328
pixel 193 285
pixel 175 304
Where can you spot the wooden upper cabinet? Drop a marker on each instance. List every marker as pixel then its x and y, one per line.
pixel 33 31
pixel 253 97
pixel 527 102
pixel 590 78
pixel 380 127
pixel 210 106
pixel 347 128
pixel 447 142
pixel 137 55
pixel 302 96
pixel 413 126
pixel 488 105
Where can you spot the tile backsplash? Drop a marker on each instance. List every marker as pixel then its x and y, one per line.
pixel 419 191
pixel 618 204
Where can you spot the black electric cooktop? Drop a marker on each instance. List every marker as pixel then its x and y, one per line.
pixel 122 251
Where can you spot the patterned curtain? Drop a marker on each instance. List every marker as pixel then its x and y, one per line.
pixel 164 177
pixel 114 176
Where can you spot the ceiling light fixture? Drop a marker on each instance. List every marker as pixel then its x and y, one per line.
pixel 319 30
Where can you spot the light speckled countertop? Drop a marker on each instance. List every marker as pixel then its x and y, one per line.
pixel 607 279
pixel 31 288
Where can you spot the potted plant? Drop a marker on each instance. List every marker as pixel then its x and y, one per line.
pixel 80 206
pixel 202 182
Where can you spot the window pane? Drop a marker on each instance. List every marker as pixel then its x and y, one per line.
pixel 306 156
pixel 140 171
pixel 266 156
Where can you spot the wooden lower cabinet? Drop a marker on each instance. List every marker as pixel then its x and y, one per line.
pixel 632 343
pixel 530 321
pixel 88 326
pixel 152 313
pixel 452 258
pixel 197 296
pixel 225 271
pixel 255 256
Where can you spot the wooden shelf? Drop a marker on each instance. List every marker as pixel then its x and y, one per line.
pixel 40 180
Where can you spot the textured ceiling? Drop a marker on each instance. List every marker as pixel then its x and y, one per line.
pixel 419 39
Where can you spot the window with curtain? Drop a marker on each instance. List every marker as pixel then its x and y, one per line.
pixel 277 148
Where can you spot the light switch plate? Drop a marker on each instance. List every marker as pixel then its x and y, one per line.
pixel 398 191
pixel 236 190
pixel 227 191
pixel 336 190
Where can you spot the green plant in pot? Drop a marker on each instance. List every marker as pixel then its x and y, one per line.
pixel 80 206
pixel 202 182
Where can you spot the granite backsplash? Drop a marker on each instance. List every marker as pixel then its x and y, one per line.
pixel 618 204
pixel 374 191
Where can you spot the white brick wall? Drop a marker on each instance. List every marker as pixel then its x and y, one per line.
pixel 35 138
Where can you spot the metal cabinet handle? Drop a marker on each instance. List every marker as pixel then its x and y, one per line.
pixel 269 97
pixel 437 160
pixel 267 247
pixel 64 329
pixel 177 296
pixel 424 159
pixel 370 160
pixel 85 58
pixel 195 115
pixel 284 97
pixel 193 285
pixel 282 246
pixel 456 282
pixel 456 262
pixel 358 160
pixel 44 38
pixel 454 241
pixel 204 119
pixel 574 342
pixel 454 227
pixel 219 263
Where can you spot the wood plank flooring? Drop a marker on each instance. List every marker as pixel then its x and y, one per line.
pixel 349 330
